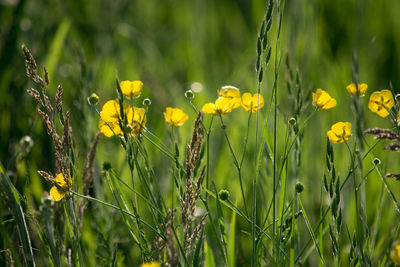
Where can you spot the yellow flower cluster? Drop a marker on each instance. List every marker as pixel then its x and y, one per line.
pixel 341 131
pixel 60 188
pixel 229 98
pixel 115 119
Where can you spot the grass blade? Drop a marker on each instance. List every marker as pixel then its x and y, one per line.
pixel 14 204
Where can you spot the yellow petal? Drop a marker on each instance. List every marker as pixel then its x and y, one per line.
pixel 249 102
pixel 339 132
pixel 175 116
pixel 137 120
pixel 110 111
pixel 110 129
pixel 351 88
pixel 334 139
pixel 381 102
pixel 131 89
pixel 224 105
pixel 56 194
pixel 362 88
pixel 229 92
pixel 209 109
pixel 151 264
pixel 388 100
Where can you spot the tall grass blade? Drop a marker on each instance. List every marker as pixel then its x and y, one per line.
pixel 14 204
pixel 232 241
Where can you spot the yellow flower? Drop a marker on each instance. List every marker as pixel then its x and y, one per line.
pixel 151 264
pixel 131 89
pixel 322 100
pixel 231 93
pixel 395 254
pixel 249 102
pixel 111 111
pixel 221 106
pixel 175 116
pixel 137 120
pixel 381 102
pixel 340 132
pixel 61 187
pixel 111 119
pixel 109 128
pixel 361 88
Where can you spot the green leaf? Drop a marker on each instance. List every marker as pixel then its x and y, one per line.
pixel 210 262
pixel 56 47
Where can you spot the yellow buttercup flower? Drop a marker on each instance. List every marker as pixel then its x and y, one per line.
pixel 220 107
pixel 61 187
pixel 131 89
pixel 175 116
pixel 151 264
pixel 381 102
pixel 231 93
pixel 249 102
pixel 137 120
pixel 111 119
pixel 361 88
pixel 322 100
pixel 111 111
pixel 339 132
pixel 395 254
pixel 109 128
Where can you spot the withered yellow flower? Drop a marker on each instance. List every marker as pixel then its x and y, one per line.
pixel 249 102
pixel 231 93
pixel 339 132
pixel 322 100
pixel 151 264
pixel 381 102
pixel 395 254
pixel 361 88
pixel 60 188
pixel 131 89
pixel 175 116
pixel 220 107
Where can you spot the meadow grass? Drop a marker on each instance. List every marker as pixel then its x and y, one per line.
pixel 256 167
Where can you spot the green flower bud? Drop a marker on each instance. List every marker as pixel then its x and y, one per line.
pixel 106 166
pixel 189 94
pixel 299 187
pixel 146 102
pixel 93 99
pixel 224 194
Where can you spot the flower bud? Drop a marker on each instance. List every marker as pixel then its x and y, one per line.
pixel 106 166
pixel 224 194
pixel 93 99
pixel 146 102
pixel 189 94
pixel 299 187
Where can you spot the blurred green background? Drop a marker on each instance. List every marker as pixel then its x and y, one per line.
pixel 170 45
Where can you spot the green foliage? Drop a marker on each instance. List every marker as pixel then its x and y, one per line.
pixel 130 201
